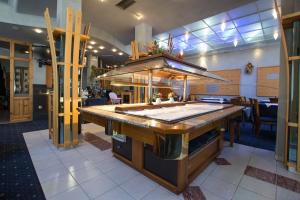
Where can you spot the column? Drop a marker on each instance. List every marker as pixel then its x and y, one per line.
pixel 143 35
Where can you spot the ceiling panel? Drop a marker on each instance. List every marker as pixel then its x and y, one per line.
pixel 267 14
pixel 247 20
pixel 227 26
pixel 217 19
pixel 269 23
pixel 246 25
pixel 251 27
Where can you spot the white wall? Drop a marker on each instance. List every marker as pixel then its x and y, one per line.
pixel 39 73
pixel 259 57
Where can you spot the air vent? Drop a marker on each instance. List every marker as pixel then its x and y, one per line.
pixel 124 4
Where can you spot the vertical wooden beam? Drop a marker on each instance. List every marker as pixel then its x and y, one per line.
pixel 11 80
pixel 138 154
pixel 67 71
pixel 30 82
pixel 75 78
pixel 55 77
pixel 184 88
pixel 286 63
pixel 150 91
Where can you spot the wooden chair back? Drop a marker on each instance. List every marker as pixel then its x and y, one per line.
pixel 273 100
pixel 236 101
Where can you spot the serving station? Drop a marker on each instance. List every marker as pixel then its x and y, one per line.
pixel 170 142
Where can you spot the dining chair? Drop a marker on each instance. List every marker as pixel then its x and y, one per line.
pixel 273 100
pixel 234 124
pixel 260 119
pixel 114 98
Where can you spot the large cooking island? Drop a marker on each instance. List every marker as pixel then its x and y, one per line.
pixel 171 143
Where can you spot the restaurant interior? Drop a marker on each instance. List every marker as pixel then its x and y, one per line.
pixel 139 99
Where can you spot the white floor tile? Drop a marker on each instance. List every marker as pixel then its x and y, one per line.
pixel 284 194
pixel 78 164
pixel 139 186
pixel 260 187
pixel 52 173
pixel 109 164
pixel 122 174
pixel 115 194
pixel 209 195
pixel 98 186
pixel 85 174
pixel 162 193
pixel 264 164
pixel 75 193
pixel 243 194
pixel 219 187
pixel 58 185
pixel 229 173
pixel 200 179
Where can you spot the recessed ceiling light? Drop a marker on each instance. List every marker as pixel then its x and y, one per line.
pixel 27 52
pixel 223 26
pixel 235 43
pixel 275 35
pixel 186 36
pixel 92 42
pixel 101 47
pixel 48 51
pixel 121 53
pixel 95 51
pixel 114 50
pixel 38 30
pixel 139 16
pixel 181 52
pixel 101 1
pixel 274 14
pixel 90 47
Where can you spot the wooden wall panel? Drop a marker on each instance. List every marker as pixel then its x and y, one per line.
pixel 207 86
pixel 49 76
pixel 267 81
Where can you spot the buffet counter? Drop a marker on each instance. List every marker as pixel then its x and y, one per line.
pixel 171 151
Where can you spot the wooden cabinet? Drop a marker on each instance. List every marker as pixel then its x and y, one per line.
pixel 21 109
pixel 19 55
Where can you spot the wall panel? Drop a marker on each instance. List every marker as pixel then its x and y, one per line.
pixel 267 81
pixel 207 86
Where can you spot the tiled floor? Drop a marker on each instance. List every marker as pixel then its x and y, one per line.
pixel 86 172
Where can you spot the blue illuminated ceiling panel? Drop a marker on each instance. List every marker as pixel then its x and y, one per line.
pixel 246 25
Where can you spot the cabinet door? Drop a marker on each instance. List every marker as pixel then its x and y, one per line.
pixel 21 83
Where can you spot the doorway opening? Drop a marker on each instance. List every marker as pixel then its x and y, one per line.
pixel 4 90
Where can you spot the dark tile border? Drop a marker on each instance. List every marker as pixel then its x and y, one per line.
pixel 222 161
pixel 273 178
pixel 97 141
pixel 193 193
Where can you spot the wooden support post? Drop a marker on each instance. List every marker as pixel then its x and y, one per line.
pixel 150 91
pixel 185 88
pixel 222 132
pixel 231 132
pixel 55 138
pixel 76 47
pixel 67 71
pixel 138 154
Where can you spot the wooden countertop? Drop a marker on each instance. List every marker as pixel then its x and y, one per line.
pixel 187 125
